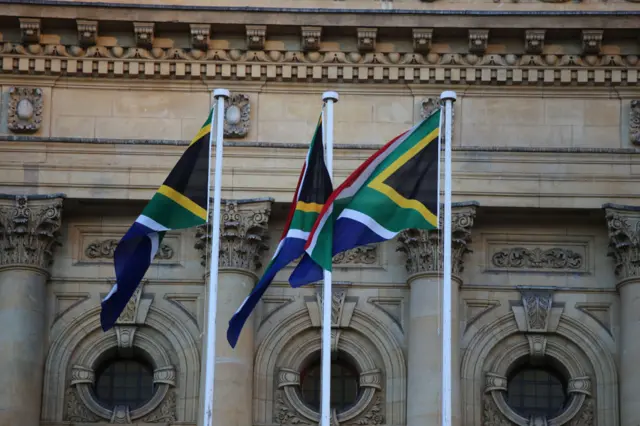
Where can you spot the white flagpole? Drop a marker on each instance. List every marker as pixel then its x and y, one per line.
pixel 210 342
pixel 325 397
pixel 448 97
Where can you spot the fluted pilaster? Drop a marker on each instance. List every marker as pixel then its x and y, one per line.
pixel 425 266
pixel 29 227
pixel 623 223
pixel 243 243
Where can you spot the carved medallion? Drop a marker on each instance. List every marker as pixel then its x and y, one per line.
pixel 25 109
pixel 237 116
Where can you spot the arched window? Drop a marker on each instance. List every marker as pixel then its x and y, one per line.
pixel 537 390
pixel 124 381
pixel 344 383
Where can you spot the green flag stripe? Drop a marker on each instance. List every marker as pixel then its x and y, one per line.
pixel 170 214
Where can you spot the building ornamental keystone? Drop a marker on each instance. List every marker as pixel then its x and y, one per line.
pixel 623 223
pixel 243 234
pixel 29 228
pixel 424 248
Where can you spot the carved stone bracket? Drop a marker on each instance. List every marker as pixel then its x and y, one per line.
pixel 144 33
pixel 200 34
pixel 367 39
pixel 634 122
pixel 478 40
pixel 534 41
pixel 87 32
pixel 536 313
pixel 237 116
pixel 311 38
pixel 29 229
pixel 624 239
pixel 592 41
pixel 105 249
pixel 243 234
pixel 30 29
pixel 424 248
pixel 256 36
pixel 422 39
pixel 25 109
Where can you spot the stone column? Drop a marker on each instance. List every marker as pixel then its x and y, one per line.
pixel 243 234
pixel 425 265
pixel 624 246
pixel 29 226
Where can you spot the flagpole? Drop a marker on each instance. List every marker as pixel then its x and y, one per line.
pixel 325 413
pixel 210 343
pixel 448 97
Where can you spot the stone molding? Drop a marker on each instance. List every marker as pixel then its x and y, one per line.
pixel 29 229
pixel 354 67
pixel 25 109
pixel 424 248
pixel 243 234
pixel 623 223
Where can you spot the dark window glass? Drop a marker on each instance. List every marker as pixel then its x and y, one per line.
pixel 344 385
pixel 536 391
pixel 124 382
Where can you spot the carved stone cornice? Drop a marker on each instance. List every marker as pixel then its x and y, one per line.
pixel 592 41
pixel 623 223
pixel 256 36
pixel 243 234
pixel 87 32
pixel 367 39
pixel 353 67
pixel 424 248
pixel 200 34
pixel 534 41
pixel 30 29
pixel 311 38
pixel 144 33
pixel 478 40
pixel 422 39
pixel 29 228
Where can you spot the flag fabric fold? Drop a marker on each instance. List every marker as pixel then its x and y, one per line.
pixel 313 189
pixel 181 202
pixel 395 189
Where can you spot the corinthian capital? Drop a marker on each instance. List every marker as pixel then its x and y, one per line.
pixel 29 227
pixel 424 248
pixel 243 234
pixel 624 239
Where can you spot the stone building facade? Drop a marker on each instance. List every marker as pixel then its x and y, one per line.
pixel 99 100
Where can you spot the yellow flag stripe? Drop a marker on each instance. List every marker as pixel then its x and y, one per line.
pixel 183 201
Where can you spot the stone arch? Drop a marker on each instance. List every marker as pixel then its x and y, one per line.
pixel 292 333
pixel 579 348
pixel 168 336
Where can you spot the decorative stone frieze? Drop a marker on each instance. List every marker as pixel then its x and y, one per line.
pixel 353 67
pixel 243 234
pixel 144 34
pixel 623 223
pixel 537 258
pixel 105 249
pixel 367 39
pixel 478 40
pixel 87 32
pixel 30 29
pixel 29 229
pixel 311 38
pixel 237 116
pixel 256 36
pixel 200 34
pixel 424 248
pixel 25 109
pixel 534 41
pixel 363 255
pixel 591 41
pixel 634 122
pixel 422 39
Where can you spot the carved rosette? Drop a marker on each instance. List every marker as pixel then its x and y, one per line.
pixel 243 234
pixel 634 122
pixel 237 114
pixel 25 109
pixel 424 248
pixel 624 239
pixel 29 228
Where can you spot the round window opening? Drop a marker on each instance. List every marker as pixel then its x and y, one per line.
pixel 124 381
pixel 537 390
pixel 345 389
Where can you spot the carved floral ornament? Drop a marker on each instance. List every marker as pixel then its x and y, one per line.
pixel 556 258
pixel 624 239
pixel 25 109
pixel 29 229
pixel 357 67
pixel 104 249
pixel 81 404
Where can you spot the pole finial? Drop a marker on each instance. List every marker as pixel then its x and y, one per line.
pixel 333 96
pixel 221 92
pixel 448 95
